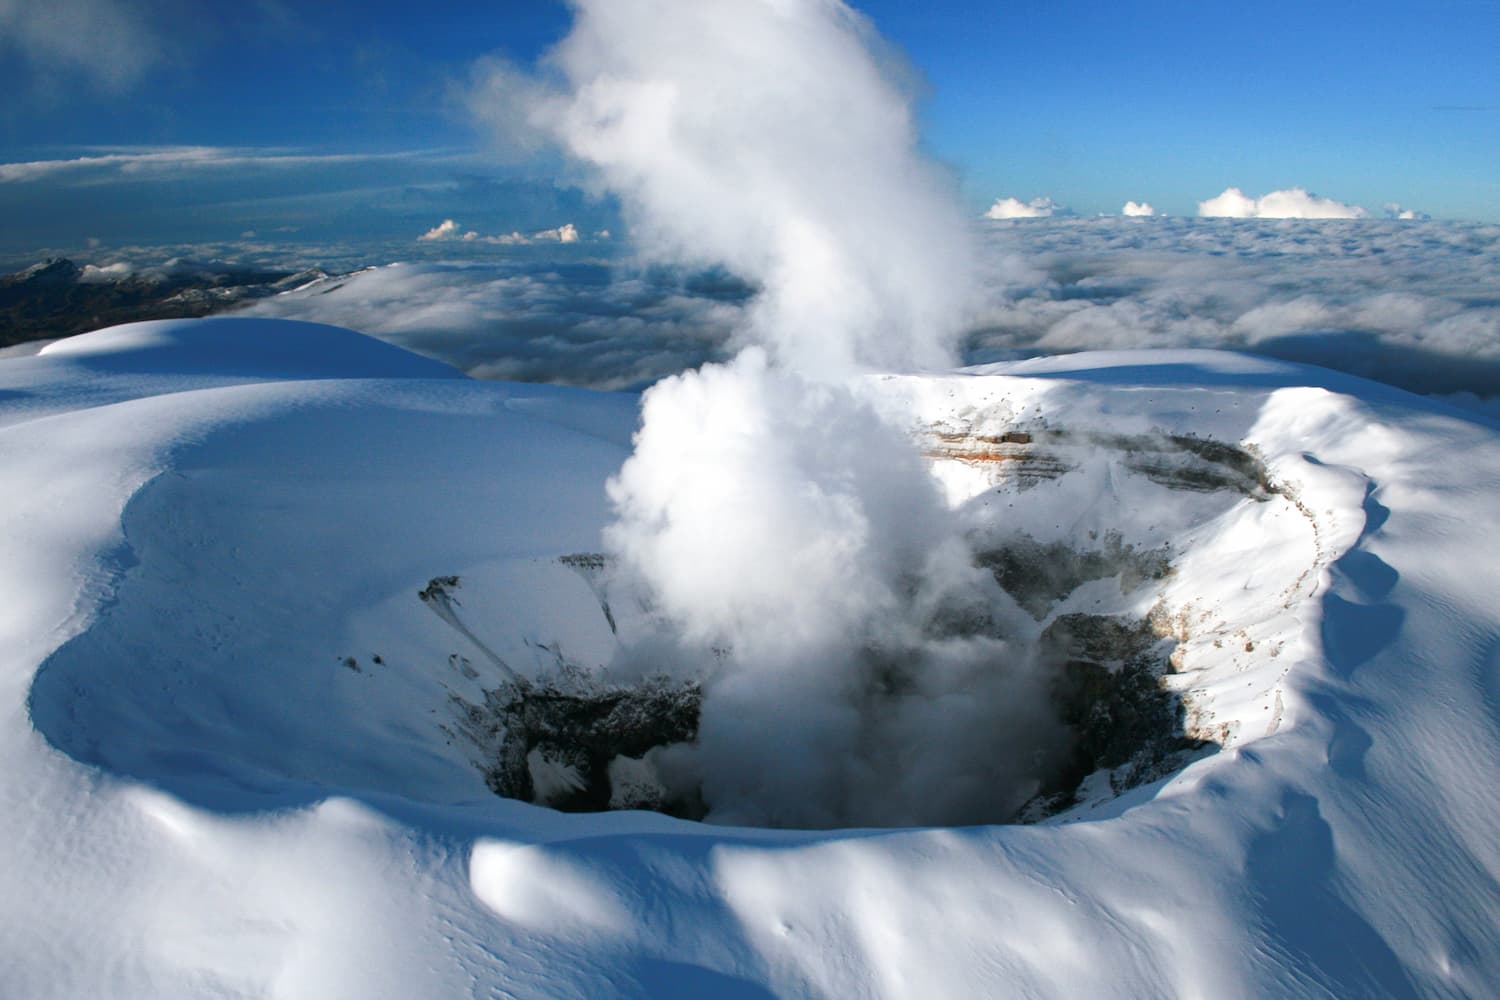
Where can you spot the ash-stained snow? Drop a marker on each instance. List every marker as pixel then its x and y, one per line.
pixel 231 759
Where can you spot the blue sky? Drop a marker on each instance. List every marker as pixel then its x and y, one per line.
pixel 341 118
pixel 1091 104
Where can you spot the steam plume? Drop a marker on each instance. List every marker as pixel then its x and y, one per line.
pixel 769 136
pixel 787 530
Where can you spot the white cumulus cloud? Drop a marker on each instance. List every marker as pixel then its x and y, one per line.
pixel 566 233
pixel 1396 211
pixel 445 230
pixel 1138 208
pixel 1291 203
pixel 448 229
pixel 1014 208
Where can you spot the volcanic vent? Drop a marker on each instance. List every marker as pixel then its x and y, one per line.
pixel 1074 656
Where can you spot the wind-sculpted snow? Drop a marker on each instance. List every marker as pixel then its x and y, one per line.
pixel 240 348
pixel 232 764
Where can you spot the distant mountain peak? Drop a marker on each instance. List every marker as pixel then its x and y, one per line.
pixel 51 270
pixel 57 298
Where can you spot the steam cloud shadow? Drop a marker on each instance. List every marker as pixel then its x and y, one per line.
pixel 1425 371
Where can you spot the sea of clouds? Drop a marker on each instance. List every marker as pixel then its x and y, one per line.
pixel 568 315
pixel 1414 304
pixel 1411 303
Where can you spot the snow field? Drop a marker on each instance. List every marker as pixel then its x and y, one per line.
pixel 200 797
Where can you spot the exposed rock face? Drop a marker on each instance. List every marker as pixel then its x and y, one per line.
pixel 578 742
pixel 1093 627
pixel 1106 686
pixel 571 746
pixel 1024 458
pixel 1039 574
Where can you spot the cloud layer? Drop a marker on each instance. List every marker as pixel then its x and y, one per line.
pixel 108 42
pixel 1413 305
pixel 1394 301
pixel 522 313
pixel 1401 302
pixel 177 161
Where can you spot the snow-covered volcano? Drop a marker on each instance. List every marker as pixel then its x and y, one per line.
pixel 241 755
